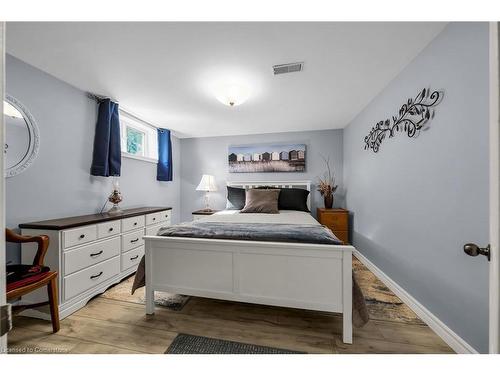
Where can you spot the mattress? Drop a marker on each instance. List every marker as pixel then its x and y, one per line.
pixel 284 217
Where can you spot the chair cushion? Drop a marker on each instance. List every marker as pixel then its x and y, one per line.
pixel 19 275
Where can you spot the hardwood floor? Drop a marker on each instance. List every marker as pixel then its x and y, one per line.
pixel 111 326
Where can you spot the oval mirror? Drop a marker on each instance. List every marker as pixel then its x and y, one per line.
pixel 21 137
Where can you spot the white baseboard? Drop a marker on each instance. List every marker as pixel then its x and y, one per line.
pixel 457 343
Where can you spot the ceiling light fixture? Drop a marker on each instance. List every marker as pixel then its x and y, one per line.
pixel 232 95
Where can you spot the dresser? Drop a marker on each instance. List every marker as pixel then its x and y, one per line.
pixel 91 252
pixel 337 219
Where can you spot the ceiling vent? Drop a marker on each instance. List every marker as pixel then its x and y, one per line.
pixel 288 68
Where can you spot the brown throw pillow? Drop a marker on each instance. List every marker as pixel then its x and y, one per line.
pixel 261 201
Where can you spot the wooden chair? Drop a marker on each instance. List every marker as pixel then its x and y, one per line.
pixel 36 276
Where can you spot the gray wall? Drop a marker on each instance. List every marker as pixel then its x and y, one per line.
pixel 417 201
pixel 58 183
pixel 209 156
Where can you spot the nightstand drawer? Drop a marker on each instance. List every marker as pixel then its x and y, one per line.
pixel 336 221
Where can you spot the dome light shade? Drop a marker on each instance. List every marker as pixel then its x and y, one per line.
pixel 232 95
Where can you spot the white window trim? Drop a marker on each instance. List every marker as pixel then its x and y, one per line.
pixel 137 157
pixel 150 142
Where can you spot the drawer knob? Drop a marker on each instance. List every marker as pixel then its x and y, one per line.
pixel 82 236
pixel 110 229
pixel 135 223
pixel 154 218
pixel 96 254
pixel 96 276
pixel 134 240
pixel 134 258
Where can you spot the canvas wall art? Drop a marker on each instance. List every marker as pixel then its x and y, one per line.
pixel 267 158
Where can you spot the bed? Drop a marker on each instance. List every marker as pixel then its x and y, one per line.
pixel 287 274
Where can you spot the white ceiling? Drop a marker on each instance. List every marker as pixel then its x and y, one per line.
pixel 167 72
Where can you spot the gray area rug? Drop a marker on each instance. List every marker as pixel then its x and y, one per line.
pixel 189 344
pixel 121 292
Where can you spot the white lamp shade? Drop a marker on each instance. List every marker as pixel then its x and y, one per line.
pixel 207 183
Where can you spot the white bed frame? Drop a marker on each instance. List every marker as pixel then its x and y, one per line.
pixel 297 275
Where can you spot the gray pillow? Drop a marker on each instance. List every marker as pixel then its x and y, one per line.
pixel 261 201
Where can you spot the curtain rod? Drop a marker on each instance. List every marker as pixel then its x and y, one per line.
pixel 99 98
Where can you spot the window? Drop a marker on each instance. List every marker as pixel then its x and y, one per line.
pixel 139 139
pixel 135 141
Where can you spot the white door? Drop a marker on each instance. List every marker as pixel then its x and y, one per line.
pixel 3 339
pixel 494 330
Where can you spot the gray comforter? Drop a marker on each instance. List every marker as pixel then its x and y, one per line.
pixel 315 234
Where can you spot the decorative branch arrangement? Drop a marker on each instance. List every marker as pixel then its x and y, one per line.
pixel 326 184
pixel 412 117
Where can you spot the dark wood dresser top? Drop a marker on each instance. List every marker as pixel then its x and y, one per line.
pixel 78 221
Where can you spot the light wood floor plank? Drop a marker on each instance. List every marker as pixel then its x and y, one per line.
pixel 253 331
pixel 125 336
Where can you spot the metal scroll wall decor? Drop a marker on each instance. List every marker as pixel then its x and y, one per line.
pixel 412 118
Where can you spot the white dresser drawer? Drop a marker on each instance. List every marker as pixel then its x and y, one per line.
pixel 166 216
pixel 79 236
pixel 155 218
pixel 108 228
pixel 132 240
pixel 90 277
pixel 153 229
pixel 131 223
pixel 132 258
pixel 88 255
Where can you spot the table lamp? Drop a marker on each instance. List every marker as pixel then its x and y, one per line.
pixel 207 184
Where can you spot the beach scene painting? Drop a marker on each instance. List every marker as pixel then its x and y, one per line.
pixel 267 158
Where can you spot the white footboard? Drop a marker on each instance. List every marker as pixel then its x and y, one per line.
pixel 307 276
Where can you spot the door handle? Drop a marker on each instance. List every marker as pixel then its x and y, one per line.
pixel 473 250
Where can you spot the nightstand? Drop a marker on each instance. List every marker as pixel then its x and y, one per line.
pixel 337 219
pixel 197 215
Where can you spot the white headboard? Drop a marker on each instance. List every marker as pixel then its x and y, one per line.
pixel 278 184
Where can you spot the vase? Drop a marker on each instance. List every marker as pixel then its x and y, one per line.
pixel 328 201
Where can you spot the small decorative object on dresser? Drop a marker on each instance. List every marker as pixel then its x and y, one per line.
pixel 197 215
pixel 326 184
pixel 337 219
pixel 115 197
pixel 207 184
pixel 92 252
